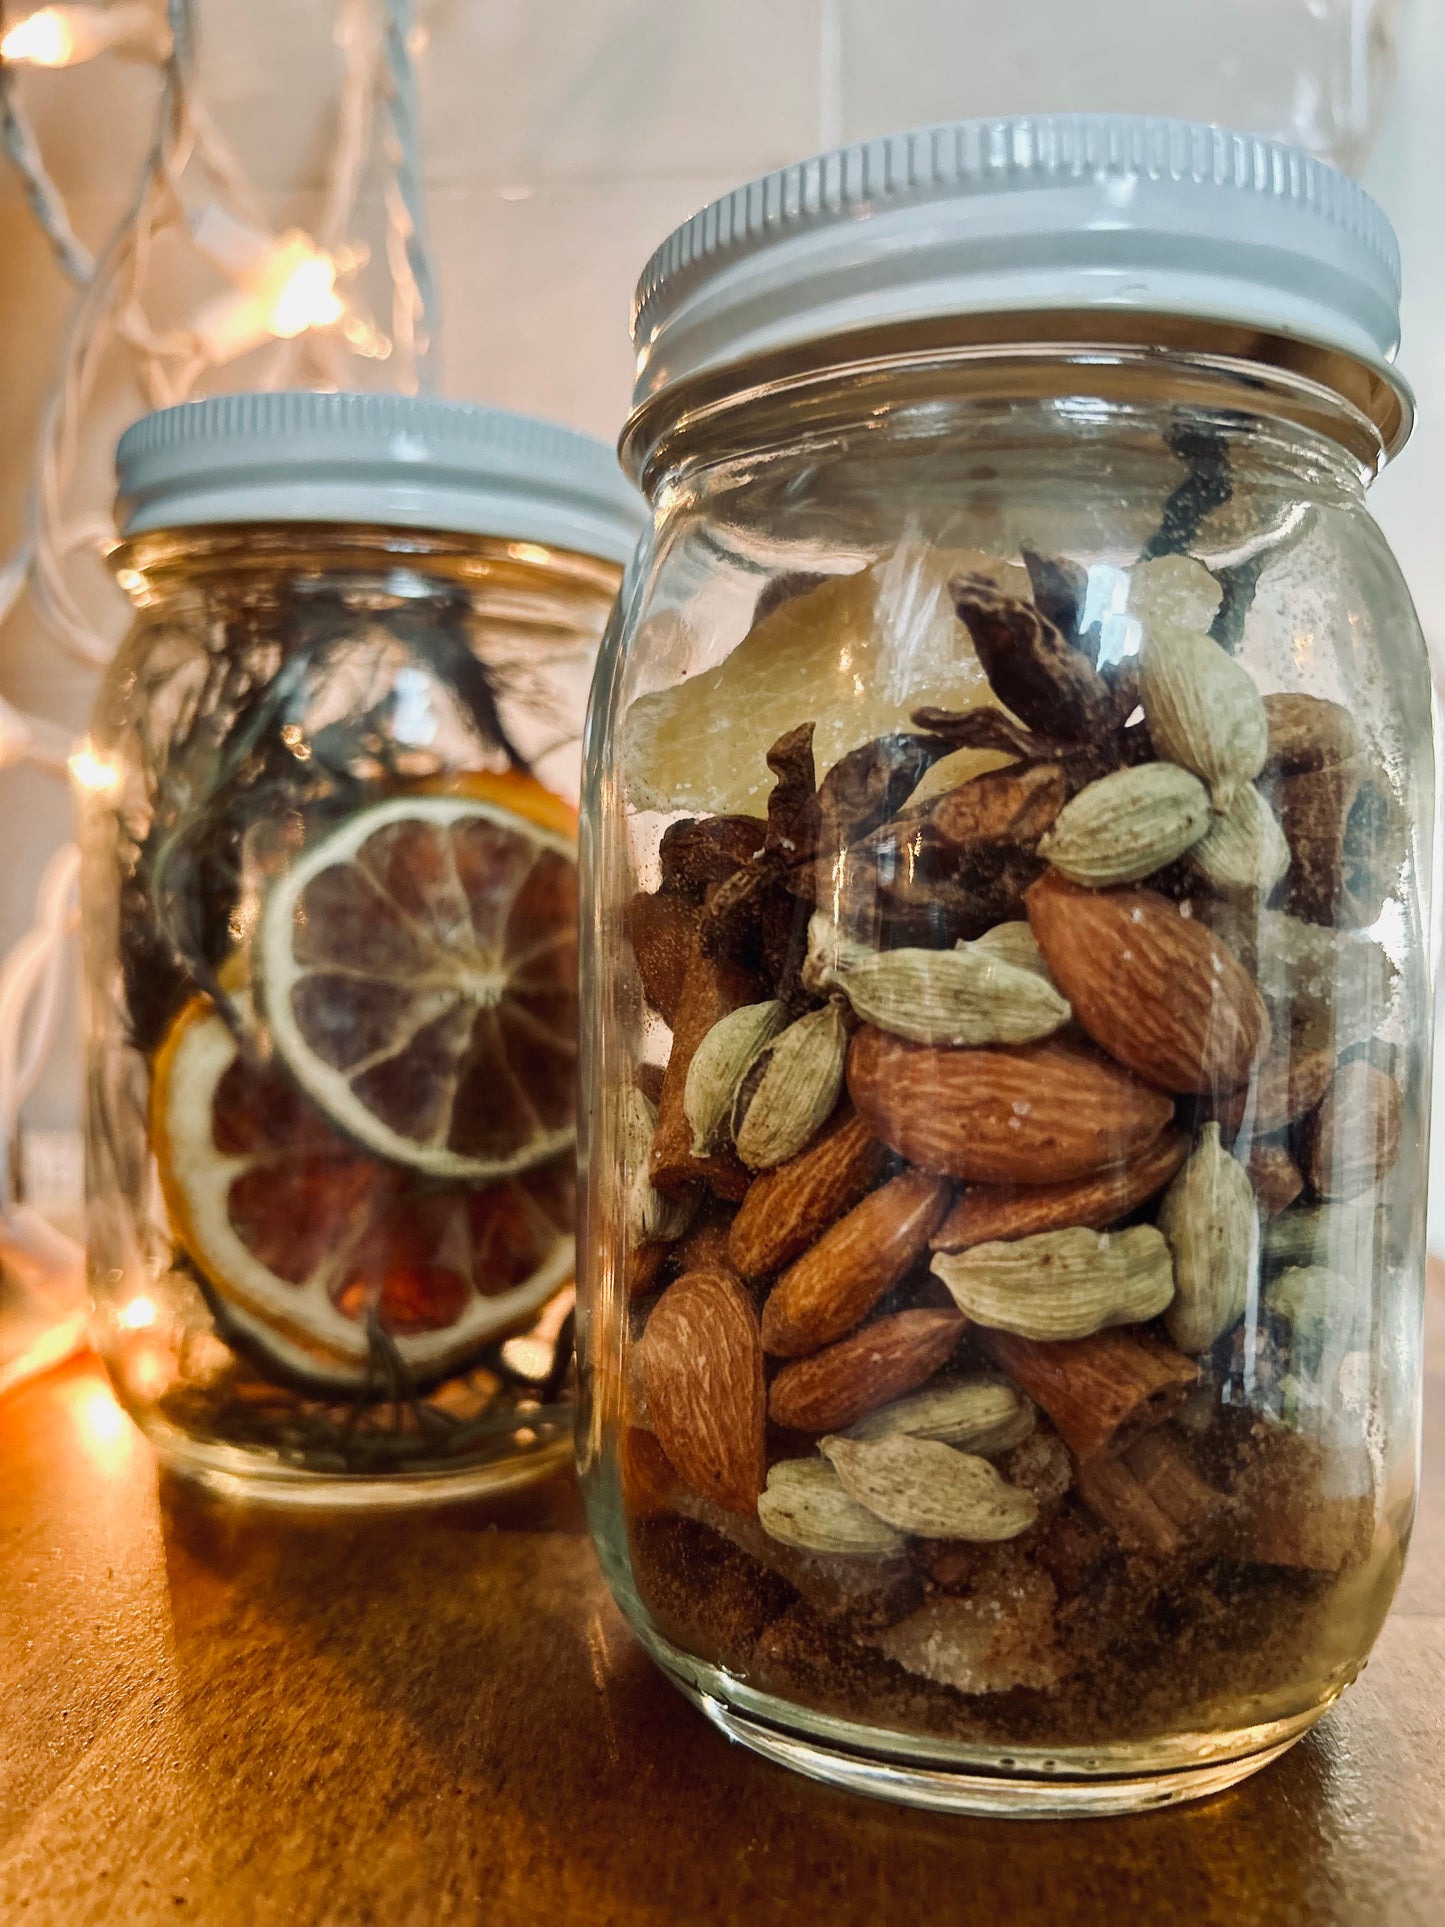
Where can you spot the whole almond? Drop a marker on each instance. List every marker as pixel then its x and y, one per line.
pixel 836 1386
pixel 788 1208
pixel 648 1475
pixel 1034 1115
pixel 1354 1136
pixel 989 1212
pixel 1286 1085
pixel 1156 989
pixel 848 1270
pixel 702 1372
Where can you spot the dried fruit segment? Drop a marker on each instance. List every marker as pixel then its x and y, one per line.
pixel 325 1256
pixel 418 969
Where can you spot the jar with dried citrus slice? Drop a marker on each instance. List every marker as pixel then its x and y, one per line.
pixel 332 912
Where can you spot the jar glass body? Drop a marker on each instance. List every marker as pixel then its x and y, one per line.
pixel 330 930
pixel 908 740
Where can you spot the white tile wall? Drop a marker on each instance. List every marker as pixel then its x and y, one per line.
pixel 566 137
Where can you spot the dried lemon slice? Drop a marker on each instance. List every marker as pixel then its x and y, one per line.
pixel 855 656
pixel 418 970
pixel 326 1259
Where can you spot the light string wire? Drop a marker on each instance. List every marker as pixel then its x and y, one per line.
pixel 377 39
pixel 415 322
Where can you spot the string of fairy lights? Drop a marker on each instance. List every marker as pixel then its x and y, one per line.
pixel 288 301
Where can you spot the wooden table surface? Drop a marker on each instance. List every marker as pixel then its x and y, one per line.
pixel 222 1716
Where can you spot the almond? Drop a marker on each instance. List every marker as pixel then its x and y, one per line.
pixel 1031 1115
pixel 648 1476
pixel 644 1266
pixel 704 1247
pixel 1283 1088
pixel 839 1384
pixel 702 1372
pixel 1354 1136
pixel 1156 989
pixel 987 1213
pixel 787 1209
pixel 848 1270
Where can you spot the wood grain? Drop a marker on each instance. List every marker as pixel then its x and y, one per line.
pixel 220 1716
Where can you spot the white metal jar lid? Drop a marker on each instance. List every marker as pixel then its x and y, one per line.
pixel 393 460
pixel 1023 215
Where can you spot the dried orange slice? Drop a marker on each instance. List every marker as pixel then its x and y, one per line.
pixel 418 970
pixel 330 1260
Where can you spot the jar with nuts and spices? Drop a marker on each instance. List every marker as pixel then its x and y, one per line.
pixel 331 931
pixel 1008 811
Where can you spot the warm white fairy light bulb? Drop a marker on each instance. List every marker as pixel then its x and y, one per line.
pixel 64 36
pixel 285 285
pixel 96 775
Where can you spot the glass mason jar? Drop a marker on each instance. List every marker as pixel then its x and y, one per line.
pixel 1007 822
pixel 330 922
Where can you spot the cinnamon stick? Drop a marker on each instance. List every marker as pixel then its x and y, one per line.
pixel 1151 1496
pixel 1102 1391
pixel 662 928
